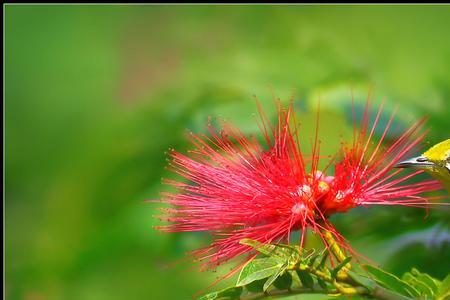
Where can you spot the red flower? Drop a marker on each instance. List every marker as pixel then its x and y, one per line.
pixel 237 187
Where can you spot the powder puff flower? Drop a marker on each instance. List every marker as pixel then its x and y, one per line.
pixel 238 187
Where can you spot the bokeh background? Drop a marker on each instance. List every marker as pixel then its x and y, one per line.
pixel 95 95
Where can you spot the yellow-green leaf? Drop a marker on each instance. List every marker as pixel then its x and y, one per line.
pixel 258 268
pixel 433 283
pixel 282 252
pixel 420 286
pixel 444 289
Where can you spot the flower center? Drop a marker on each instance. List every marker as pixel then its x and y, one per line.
pixel 304 191
pixel 299 208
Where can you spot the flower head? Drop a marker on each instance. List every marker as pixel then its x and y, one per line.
pixel 238 187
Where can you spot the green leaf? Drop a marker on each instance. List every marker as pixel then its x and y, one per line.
pixel 282 252
pixel 433 283
pixel 231 293
pixel 312 259
pixel 258 268
pixel 272 278
pixel 306 278
pixel 284 281
pixel 391 281
pixel 335 271
pixel 424 283
pixel 256 286
pixel 362 280
pixel 323 260
pixel 444 289
pixel 421 287
pixel 307 260
pixel 322 283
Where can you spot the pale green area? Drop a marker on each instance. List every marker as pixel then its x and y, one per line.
pixel 96 94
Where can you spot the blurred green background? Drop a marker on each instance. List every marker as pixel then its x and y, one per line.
pixel 95 95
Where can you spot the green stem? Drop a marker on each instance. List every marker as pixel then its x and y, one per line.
pixel 344 289
pixel 378 292
pixel 334 246
pixel 338 253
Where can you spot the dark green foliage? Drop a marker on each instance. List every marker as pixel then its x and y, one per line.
pixel 256 286
pixel 284 281
pixel 272 273
pixel 305 278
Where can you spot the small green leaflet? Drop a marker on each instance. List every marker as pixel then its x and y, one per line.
pixel 283 252
pixel 424 283
pixel 433 283
pixel 420 286
pixel 362 280
pixel 312 259
pixel 322 283
pixel 258 268
pixel 256 286
pixel 444 289
pixel 391 281
pixel 335 271
pixel 323 260
pixel 284 282
pixel 306 279
pixel 274 277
